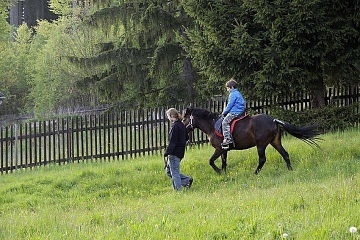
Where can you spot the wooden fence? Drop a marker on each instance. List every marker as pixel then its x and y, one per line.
pixel 114 136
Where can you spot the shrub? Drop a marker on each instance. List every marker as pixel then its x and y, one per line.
pixel 329 118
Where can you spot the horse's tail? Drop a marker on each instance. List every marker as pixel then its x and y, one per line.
pixel 308 134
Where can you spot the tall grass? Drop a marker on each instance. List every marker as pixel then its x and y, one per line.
pixel 133 199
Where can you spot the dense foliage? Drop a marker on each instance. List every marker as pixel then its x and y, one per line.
pixel 136 53
pixel 146 64
pixel 276 47
pixel 328 119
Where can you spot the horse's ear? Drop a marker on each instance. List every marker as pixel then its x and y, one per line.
pixel 184 112
pixel 187 111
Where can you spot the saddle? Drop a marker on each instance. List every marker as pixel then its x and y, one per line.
pixel 218 124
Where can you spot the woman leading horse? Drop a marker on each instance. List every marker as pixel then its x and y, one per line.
pixel 252 131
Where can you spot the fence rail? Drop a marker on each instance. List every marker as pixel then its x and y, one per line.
pixel 113 136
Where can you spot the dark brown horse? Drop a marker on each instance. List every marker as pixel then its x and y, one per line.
pixel 258 130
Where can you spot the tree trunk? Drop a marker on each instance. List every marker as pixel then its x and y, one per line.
pixel 317 94
pixel 189 73
pixel 189 76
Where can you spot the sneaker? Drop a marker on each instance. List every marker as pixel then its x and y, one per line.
pixel 189 183
pixel 227 142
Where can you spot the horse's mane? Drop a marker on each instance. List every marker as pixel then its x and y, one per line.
pixel 204 114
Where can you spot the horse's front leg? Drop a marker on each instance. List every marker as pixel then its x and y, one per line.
pixel 223 160
pixel 215 156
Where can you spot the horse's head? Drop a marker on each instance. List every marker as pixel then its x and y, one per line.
pixel 188 119
pixel 198 118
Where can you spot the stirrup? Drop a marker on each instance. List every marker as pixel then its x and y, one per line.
pixel 226 146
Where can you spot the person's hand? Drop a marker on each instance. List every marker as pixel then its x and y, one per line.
pixel 165 161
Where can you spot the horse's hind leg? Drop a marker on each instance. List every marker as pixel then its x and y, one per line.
pixel 285 155
pixel 262 158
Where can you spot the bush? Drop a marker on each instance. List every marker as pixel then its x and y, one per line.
pixel 330 118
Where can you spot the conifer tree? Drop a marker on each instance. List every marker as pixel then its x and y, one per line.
pixel 146 65
pixel 276 47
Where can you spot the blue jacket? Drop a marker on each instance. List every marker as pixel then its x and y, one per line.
pixel 236 104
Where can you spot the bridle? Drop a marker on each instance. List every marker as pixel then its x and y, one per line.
pixel 190 124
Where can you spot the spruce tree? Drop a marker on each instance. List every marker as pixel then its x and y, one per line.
pixel 146 65
pixel 276 47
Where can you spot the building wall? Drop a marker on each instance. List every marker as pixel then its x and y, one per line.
pixel 29 11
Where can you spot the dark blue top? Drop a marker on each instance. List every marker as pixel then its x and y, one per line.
pixel 177 140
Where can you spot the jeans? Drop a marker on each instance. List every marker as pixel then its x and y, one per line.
pixel 173 171
pixel 226 126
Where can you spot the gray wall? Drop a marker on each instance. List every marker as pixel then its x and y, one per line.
pixel 29 11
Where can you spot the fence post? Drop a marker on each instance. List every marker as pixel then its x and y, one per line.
pixel 69 136
pixel 16 145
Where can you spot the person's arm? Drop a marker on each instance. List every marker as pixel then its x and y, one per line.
pixel 172 141
pixel 242 103
pixel 229 105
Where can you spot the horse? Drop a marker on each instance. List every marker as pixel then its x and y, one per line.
pixel 258 130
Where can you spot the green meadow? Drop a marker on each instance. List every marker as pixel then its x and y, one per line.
pixel 133 198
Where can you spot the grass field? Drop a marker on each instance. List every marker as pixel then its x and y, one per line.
pixel 133 199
